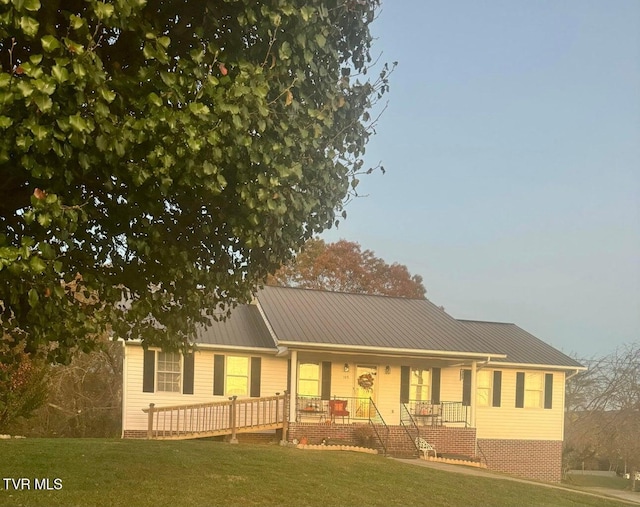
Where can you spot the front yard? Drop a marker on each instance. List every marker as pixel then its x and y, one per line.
pixel 140 473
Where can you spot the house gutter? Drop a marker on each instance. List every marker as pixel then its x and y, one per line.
pixel 387 350
pixel 575 369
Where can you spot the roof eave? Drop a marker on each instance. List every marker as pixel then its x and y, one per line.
pixel 389 350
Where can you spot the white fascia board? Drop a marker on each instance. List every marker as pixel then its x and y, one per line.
pixel 330 347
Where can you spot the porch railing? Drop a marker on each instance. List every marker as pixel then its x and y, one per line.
pixel 216 418
pixel 436 414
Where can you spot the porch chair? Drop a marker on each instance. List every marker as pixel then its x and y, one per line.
pixel 425 447
pixel 338 408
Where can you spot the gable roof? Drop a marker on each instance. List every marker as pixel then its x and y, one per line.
pixel 520 346
pixel 244 328
pixel 312 318
pixel 308 318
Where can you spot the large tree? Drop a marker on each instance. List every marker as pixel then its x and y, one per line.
pixel 344 266
pixel 159 157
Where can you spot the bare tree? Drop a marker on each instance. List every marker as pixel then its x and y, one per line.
pixel 603 410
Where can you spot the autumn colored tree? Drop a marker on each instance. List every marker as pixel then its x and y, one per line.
pixel 158 158
pixel 344 267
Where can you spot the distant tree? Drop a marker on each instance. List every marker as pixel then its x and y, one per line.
pixel 344 267
pixel 603 410
pixel 23 383
pixel 159 158
pixel 84 398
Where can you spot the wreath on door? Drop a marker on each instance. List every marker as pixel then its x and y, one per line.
pixel 366 381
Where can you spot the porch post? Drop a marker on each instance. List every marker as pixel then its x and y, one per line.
pixel 474 379
pixel 293 394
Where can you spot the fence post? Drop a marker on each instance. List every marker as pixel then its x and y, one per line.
pixel 150 421
pixel 234 439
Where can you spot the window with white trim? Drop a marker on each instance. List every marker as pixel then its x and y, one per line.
pixel 309 379
pixel 168 372
pixel 419 388
pixel 533 389
pixel 484 381
pixel 237 376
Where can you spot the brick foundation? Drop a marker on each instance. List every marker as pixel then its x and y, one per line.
pixel 459 441
pixel 532 459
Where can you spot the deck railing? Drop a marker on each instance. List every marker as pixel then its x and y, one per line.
pixel 216 418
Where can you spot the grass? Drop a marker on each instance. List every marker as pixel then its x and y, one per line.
pixel 140 473
pixel 597 481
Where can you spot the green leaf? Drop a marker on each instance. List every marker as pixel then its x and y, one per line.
pixel 107 94
pixel 33 298
pixel 37 265
pixel 154 99
pixel 76 22
pixel 198 108
pixel 103 10
pixel 32 5
pixel 29 26
pixel 5 122
pixel 306 12
pixel 60 74
pixel 49 43
pixel 35 59
pixel 43 102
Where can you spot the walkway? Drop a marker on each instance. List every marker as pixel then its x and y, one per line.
pixel 615 494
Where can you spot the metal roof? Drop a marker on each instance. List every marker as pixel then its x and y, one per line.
pixel 315 317
pixel 520 346
pixel 244 328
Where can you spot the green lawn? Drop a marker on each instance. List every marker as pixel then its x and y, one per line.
pixel 596 481
pixel 128 472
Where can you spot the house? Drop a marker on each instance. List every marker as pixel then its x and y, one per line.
pixel 485 390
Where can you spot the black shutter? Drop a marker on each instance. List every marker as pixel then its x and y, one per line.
pixel 218 375
pixel 256 364
pixel 187 380
pixel 149 371
pixel 326 380
pixel 519 389
pixel 548 390
pixel 435 386
pixel 405 379
pixel 497 388
pixel 466 388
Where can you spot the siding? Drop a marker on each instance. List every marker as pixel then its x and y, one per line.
pixel 274 379
pixel 508 422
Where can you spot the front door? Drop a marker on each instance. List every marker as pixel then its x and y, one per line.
pixel 365 389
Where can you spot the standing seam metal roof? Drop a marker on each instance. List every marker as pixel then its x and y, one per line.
pixel 336 318
pixel 519 345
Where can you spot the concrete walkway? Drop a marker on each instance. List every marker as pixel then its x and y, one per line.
pixel 610 494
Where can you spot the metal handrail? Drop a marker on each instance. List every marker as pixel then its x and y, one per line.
pixel 378 416
pixel 407 420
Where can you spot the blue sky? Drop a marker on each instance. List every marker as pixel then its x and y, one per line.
pixel 511 142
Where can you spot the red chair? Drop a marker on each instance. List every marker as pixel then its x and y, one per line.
pixel 338 408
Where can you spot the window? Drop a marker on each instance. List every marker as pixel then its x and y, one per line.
pixel 483 380
pixel 169 372
pixel 533 390
pixel 419 387
pixel 309 379
pixel 237 376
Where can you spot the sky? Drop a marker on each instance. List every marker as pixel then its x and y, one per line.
pixel 511 143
